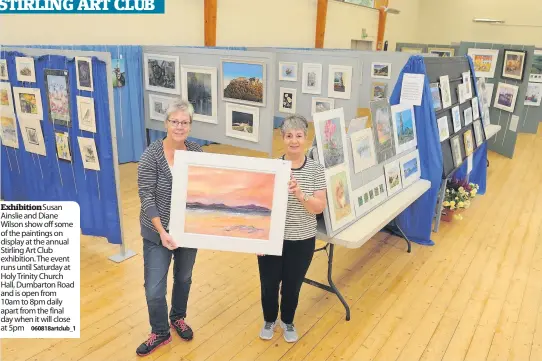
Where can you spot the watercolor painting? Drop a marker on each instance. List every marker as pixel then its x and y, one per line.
pixel 26 71
pixel 404 126
pixel 506 96
pixel 536 67
pixel 444 131
pixel 513 64
pixel 240 207
pixel 244 82
pixel 8 126
pixel 341 196
pixel 379 90
pixel 435 94
pixel 339 81
pixel 63 146
pixel 410 168
pixel 381 70
pixel 28 103
pixel 456 118
pixel 363 150
pixel 469 143
pixel 382 130
pixel 533 94
pixel 6 99
pixel 392 172
pixel 58 97
pixel 287 71
pixel 119 72
pixel 456 151
pixel 322 104
pixel 4 70
pixel 332 144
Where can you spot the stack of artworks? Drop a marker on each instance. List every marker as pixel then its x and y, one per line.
pixel 245 214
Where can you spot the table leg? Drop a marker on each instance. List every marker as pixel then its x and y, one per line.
pixel 440 200
pixel 331 288
pixel 394 228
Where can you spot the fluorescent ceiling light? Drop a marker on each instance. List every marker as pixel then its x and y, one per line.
pixel 492 21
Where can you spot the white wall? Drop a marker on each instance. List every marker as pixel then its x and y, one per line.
pixel 405 26
pixel 345 22
pixel 447 21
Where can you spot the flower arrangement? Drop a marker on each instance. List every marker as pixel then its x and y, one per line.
pixel 458 198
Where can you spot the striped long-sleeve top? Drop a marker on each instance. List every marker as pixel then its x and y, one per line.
pixel 154 181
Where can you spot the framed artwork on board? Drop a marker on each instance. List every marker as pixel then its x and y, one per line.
pixel 288 100
pixel 8 130
pixel 32 135
pixel 514 64
pixel 467 82
pixel 287 71
pixel 330 134
pixel 89 154
pixel 6 99
pixel 242 122
pixel 456 118
pixel 339 81
pixel 311 79
pixel 404 127
pixel 159 106
pixel 4 70
pixel 119 72
pixel 443 130
pixel 363 149
pixel 456 151
pixel 83 71
pixel 392 172
pixel 536 69
pixel 445 91
pixel 161 73
pixel 435 94
pixel 245 214
pixel 199 87
pixel 410 50
pixel 58 96
pixel 475 108
pixel 339 194
pixel 28 102
pixel 26 71
pixel 383 130
pixel 478 133
pixel 322 104
pixel 467 115
pixel 369 196
pixel 410 168
pixel 469 142
pixel 244 81
pixel 379 90
pixel 533 94
pixel 506 97
pixel 381 70
pixel 63 150
pixel 86 114
pixel 484 61
pixel 441 52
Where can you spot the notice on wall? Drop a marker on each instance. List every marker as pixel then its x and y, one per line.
pixel 412 89
pixel 39 270
pixel 514 123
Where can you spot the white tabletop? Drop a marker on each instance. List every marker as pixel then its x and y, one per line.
pixel 491 130
pixel 370 224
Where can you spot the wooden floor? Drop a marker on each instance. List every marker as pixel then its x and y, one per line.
pixel 475 295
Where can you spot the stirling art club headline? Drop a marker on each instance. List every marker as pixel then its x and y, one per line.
pixel 82 6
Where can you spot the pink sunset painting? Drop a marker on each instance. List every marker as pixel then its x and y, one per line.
pixel 228 202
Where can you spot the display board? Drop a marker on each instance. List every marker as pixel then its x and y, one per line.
pixel 437 49
pixel 65 130
pixel 510 120
pixel 201 74
pixel 533 109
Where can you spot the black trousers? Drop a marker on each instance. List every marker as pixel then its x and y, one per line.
pixel 290 269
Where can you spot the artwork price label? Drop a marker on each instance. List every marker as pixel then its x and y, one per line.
pixel 39 270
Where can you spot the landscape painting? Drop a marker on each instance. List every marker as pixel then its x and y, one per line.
pixel 536 67
pixel 379 90
pixel 6 99
pixel 435 94
pixel 238 208
pixel 8 126
pixel 393 177
pixel 322 104
pixel 405 127
pixel 339 81
pixel 244 82
pixel 381 70
pixel 242 122
pixel 363 150
pixel 58 97
pixel 199 88
pixel 26 71
pixel 505 99
pixel 410 168
pixel 533 94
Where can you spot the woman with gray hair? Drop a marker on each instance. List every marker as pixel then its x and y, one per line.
pixel 306 199
pixel 154 182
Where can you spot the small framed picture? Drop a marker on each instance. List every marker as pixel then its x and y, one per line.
pixel 533 94
pixel 242 122
pixel 381 70
pixel 435 94
pixel 514 64
pixel 287 71
pixel 25 69
pixel 506 97
pixel 4 70
pixel 322 104
pixel 287 100
pixel 63 149
pixel 467 114
pixel 83 69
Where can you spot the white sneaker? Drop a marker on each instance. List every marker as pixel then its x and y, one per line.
pixel 290 334
pixel 268 331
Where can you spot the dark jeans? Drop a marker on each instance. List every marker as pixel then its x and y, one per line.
pixel 290 269
pixel 157 259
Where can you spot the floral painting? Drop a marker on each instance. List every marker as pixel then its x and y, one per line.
pixel 333 147
pixel 57 96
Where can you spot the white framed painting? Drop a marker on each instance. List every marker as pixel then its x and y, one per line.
pixel 443 130
pixel 467 115
pixel 485 61
pixel 63 149
pixel 4 75
pixel 199 87
pixel 288 100
pixel 535 76
pixel 8 130
pixel 6 99
pixel 340 198
pixel 25 68
pixel 28 102
pixel 161 73
pixel 86 114
pixel 404 127
pixel 245 214
pixel 506 96
pixel 533 94
pixel 456 118
pixel 467 84
pixel 478 133
pixel 441 52
pixel 381 70
pixel 456 151
pixel 311 79
pixel 89 153
pixel 322 104
pixel 445 91
pixel 514 64
pixel 83 70
pixel 410 168
pixel 461 93
pixel 159 106
pixel 392 171
pixel 32 135
pixel 287 71
pixel 339 82
pixel 369 196
pixel 363 149
pixel 383 129
pixel 244 81
pixel 475 108
pixel 330 134
pixel 242 122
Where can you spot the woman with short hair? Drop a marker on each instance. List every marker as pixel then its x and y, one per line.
pixel 306 199
pixel 154 183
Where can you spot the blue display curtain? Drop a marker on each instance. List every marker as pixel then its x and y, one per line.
pixel 417 219
pixel 30 177
pixel 478 174
pixel 129 110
